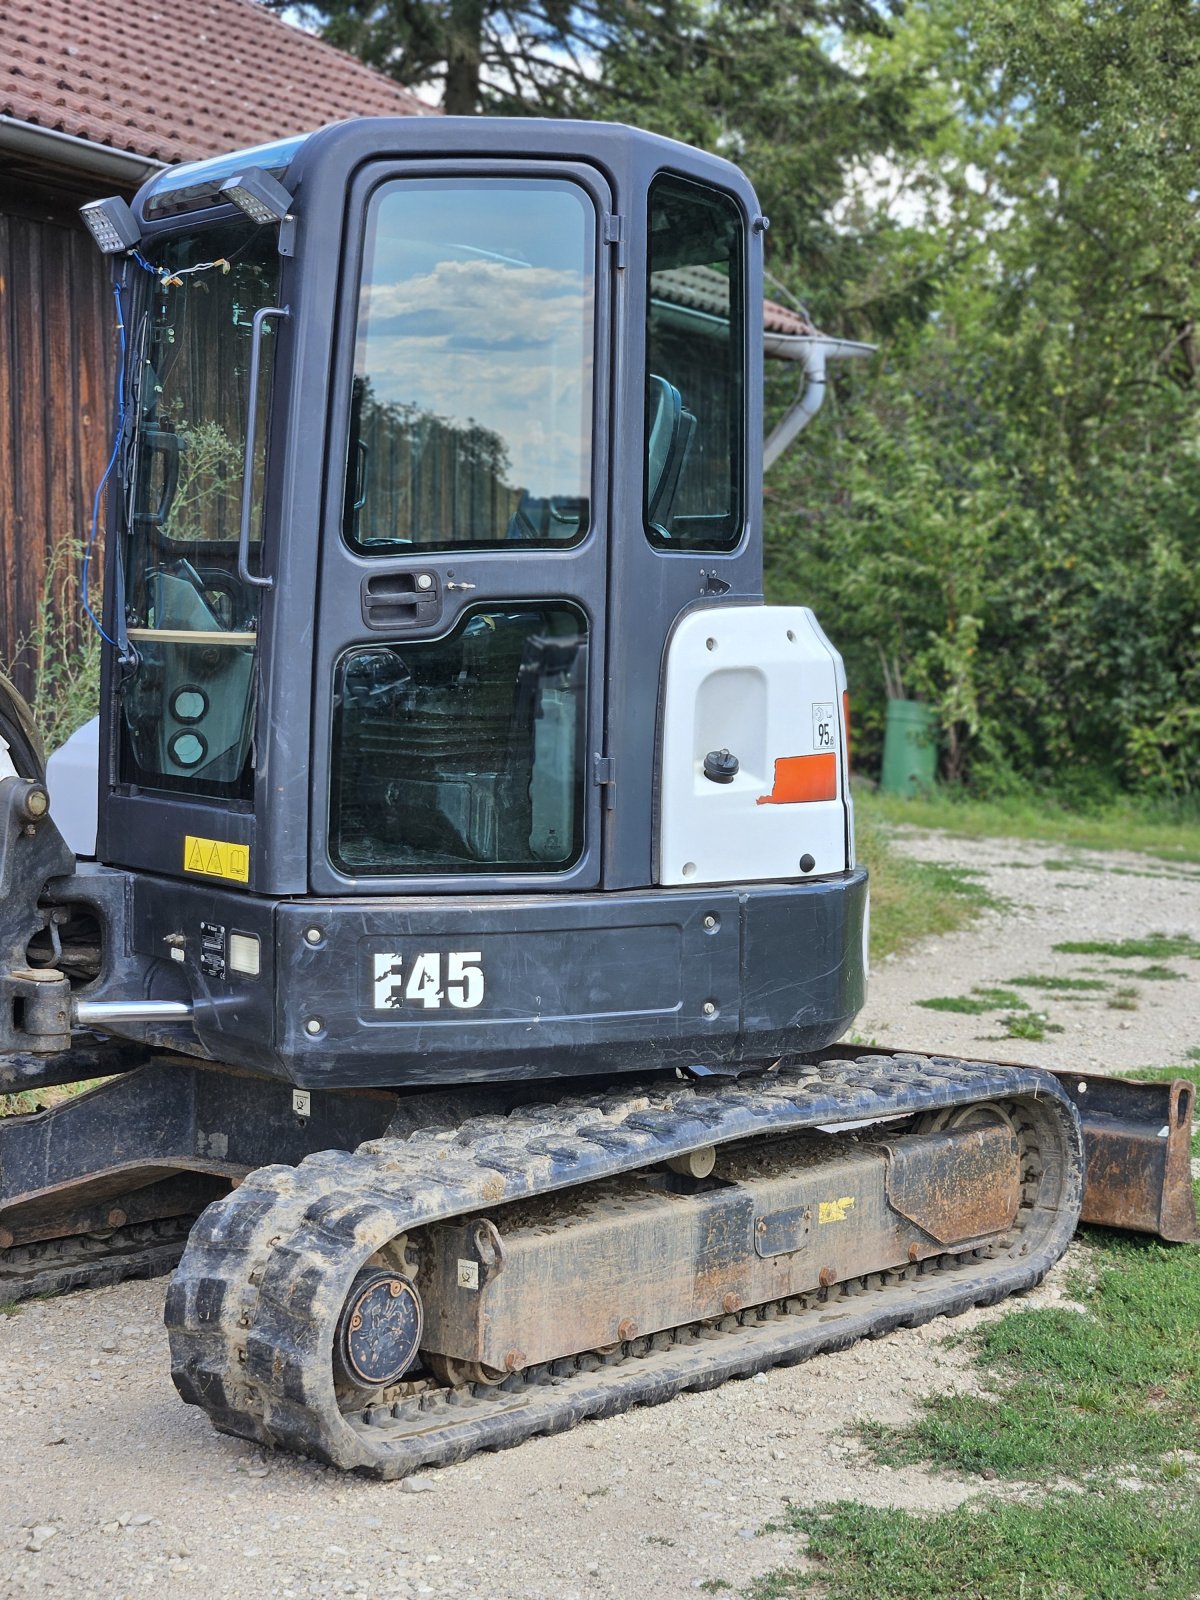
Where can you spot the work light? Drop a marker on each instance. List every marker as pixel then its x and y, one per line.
pixel 258 194
pixel 111 223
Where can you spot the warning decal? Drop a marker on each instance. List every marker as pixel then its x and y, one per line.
pixel 216 858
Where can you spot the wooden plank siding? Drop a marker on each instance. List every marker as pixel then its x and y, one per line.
pixel 57 367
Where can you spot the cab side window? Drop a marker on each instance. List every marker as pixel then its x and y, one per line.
pixel 695 368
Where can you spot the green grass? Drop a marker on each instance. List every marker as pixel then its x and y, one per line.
pixel 912 900
pixel 1155 947
pixel 1114 1545
pixel 1124 998
pixel 1070 1394
pixel 1097 1397
pixel 1170 832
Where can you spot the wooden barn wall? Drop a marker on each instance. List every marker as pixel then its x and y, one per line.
pixel 57 362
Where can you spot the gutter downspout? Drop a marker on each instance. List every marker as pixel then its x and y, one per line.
pixel 813 351
pixel 80 155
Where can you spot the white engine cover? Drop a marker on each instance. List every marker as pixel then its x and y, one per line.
pixel 765 684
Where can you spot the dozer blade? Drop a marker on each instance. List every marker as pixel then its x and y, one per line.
pixel 1137 1148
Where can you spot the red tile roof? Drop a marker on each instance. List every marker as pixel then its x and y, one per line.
pixel 705 289
pixel 179 81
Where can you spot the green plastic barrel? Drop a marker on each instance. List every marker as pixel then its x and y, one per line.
pixel 909 748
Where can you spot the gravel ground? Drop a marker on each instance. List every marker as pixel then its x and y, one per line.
pixel 1048 897
pixel 112 1487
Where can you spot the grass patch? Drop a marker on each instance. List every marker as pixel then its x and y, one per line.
pixel 911 900
pixel 1152 974
pixel 962 1003
pixel 1111 1546
pixel 1170 832
pixel 975 1004
pixel 1054 985
pixel 1070 1394
pixel 1155 947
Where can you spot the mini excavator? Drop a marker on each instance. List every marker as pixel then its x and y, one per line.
pixel 460 949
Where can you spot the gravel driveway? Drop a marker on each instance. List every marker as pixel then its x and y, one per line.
pixel 112 1487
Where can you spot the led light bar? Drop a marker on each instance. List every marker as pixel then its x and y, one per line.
pixel 111 224
pixel 258 194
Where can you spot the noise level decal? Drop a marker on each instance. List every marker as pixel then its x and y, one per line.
pixel 216 858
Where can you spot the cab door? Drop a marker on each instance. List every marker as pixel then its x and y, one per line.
pixel 460 611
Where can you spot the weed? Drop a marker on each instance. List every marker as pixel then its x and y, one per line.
pixel 1106 1546
pixel 713 1586
pixel 63 651
pixel 1155 947
pixel 1028 1025
pixel 1123 999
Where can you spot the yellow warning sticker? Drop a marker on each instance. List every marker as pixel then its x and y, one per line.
pixel 834 1210
pixel 216 858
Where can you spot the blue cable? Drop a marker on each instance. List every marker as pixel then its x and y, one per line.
pixel 112 461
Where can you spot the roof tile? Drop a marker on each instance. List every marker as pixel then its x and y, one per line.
pixel 117 73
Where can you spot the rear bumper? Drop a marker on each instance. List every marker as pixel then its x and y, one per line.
pixel 391 991
pixel 567 985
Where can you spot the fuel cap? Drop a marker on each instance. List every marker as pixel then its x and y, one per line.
pixel 720 766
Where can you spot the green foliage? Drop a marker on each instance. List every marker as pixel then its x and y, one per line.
pixel 1008 503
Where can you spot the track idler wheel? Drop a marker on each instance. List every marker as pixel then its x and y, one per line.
pixel 379 1330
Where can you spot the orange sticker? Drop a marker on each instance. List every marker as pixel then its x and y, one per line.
pixel 799 779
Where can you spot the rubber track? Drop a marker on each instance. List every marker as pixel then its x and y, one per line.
pixel 89 1261
pixel 251 1308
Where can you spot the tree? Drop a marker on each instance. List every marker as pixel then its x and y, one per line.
pixel 486 55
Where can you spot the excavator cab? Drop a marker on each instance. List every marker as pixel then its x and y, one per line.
pixel 445 732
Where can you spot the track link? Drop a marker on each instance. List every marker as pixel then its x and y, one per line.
pixel 252 1307
pixel 91 1260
